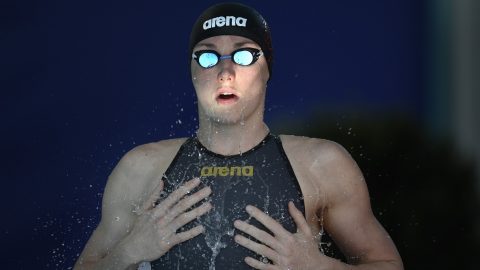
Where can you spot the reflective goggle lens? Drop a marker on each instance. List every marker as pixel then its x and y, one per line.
pixel 207 59
pixel 243 57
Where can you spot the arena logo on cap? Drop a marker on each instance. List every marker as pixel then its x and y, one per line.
pixel 224 21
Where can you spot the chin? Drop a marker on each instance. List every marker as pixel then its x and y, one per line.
pixel 228 116
pixel 225 119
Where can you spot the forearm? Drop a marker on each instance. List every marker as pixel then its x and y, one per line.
pixel 117 259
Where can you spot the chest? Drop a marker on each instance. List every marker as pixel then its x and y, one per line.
pixel 263 178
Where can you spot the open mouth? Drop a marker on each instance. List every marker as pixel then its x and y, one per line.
pixel 226 98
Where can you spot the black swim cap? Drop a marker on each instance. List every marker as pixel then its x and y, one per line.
pixel 233 19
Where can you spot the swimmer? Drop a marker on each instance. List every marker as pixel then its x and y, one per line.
pixel 236 196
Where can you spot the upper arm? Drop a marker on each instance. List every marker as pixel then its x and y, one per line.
pixel 119 199
pixel 348 216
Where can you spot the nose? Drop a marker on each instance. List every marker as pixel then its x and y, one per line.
pixel 226 70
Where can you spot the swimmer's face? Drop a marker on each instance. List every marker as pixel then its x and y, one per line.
pixel 228 92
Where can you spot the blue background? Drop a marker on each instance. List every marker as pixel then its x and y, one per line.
pixel 83 82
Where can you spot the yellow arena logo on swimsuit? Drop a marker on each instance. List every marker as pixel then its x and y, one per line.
pixel 227 171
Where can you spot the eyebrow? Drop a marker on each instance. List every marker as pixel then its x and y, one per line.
pixel 241 44
pixel 208 45
pixel 236 45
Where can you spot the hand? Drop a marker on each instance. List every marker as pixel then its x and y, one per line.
pixel 284 249
pixel 154 231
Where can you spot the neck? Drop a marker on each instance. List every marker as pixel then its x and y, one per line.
pixel 231 139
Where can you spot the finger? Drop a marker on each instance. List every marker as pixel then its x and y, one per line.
pixel 187 202
pixel 260 235
pixel 297 216
pixel 258 264
pixel 268 222
pixel 186 235
pixel 185 218
pixel 257 248
pixel 154 197
pixel 175 196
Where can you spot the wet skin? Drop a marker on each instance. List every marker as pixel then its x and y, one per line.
pixel 335 194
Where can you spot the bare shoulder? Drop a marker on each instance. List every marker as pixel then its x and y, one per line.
pixel 139 168
pixel 128 186
pixel 329 164
pixel 147 155
pixel 346 209
pixel 314 151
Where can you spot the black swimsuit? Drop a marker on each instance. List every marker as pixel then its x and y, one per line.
pixel 262 177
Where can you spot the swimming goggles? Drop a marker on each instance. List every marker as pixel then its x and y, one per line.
pixel 242 57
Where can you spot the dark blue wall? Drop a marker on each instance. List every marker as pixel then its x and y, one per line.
pixel 85 81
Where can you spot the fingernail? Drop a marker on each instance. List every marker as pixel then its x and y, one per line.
pixel 249 208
